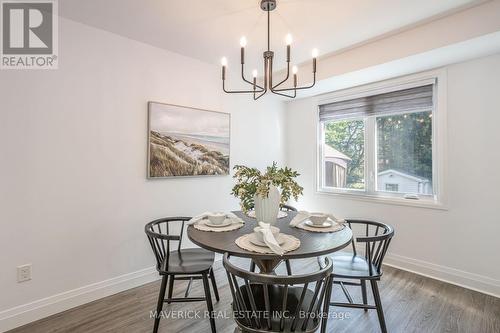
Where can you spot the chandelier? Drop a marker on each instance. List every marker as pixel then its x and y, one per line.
pixel 258 90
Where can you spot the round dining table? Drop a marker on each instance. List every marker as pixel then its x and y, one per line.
pixel 312 244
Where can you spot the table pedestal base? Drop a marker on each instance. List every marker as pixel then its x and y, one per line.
pixel 267 266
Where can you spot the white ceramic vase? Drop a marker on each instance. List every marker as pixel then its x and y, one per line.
pixel 266 209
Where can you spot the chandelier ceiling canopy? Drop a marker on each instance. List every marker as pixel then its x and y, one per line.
pixel 258 89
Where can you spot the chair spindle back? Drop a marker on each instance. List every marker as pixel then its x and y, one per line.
pixel 376 238
pixel 160 236
pixel 255 294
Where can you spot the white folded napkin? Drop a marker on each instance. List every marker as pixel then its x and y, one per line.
pixel 231 216
pixel 303 215
pixel 271 242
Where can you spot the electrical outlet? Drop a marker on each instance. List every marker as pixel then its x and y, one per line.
pixel 24 273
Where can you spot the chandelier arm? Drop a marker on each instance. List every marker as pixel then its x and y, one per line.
pixel 285 95
pixel 299 88
pixel 260 95
pixel 286 78
pixel 266 73
pixel 266 67
pixel 309 86
pixel 251 83
pixel 238 91
pixel 270 82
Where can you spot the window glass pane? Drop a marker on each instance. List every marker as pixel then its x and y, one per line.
pixel 344 154
pixel 404 153
pixel 391 187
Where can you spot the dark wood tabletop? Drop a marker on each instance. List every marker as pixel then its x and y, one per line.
pixel 312 244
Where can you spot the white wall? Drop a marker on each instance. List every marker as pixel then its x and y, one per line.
pixel 459 244
pixel 74 196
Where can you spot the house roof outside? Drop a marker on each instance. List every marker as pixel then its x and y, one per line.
pixel 405 175
pixel 331 152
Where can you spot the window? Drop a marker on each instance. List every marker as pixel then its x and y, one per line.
pixel 404 153
pixel 392 187
pixel 379 144
pixel 344 154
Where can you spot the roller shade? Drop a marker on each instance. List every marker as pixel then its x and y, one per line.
pixel 402 101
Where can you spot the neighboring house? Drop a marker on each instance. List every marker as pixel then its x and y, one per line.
pixel 397 181
pixel 335 167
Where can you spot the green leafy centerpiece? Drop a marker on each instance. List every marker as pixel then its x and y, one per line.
pixel 265 191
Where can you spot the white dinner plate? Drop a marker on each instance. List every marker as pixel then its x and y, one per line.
pixel 326 224
pixel 226 223
pixel 253 239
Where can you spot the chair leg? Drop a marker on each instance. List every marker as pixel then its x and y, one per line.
pixel 208 297
pixel 378 304
pixel 159 306
pixel 252 266
pixel 363 293
pixel 288 267
pixel 214 284
pixel 326 306
pixel 188 289
pixel 171 286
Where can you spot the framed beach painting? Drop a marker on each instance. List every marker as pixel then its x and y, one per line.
pixel 185 141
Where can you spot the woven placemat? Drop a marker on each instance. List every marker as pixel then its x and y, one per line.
pixel 200 225
pixel 335 227
pixel 291 243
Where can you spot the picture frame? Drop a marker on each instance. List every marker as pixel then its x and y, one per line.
pixel 185 141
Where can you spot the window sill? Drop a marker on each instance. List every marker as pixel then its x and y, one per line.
pixel 354 195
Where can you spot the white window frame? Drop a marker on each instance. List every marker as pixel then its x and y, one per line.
pixel 439 135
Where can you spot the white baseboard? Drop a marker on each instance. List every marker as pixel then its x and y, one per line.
pixel 26 313
pixel 480 283
pixel 45 307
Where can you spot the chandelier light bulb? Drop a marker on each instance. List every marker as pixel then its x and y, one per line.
pixel 288 39
pixel 315 53
pixel 254 73
pixel 223 61
pixel 243 41
pixel 295 69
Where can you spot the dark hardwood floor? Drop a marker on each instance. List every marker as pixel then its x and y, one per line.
pixel 412 303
